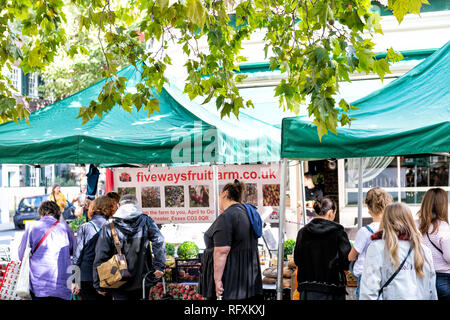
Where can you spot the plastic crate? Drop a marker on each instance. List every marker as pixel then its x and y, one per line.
pixel 187 270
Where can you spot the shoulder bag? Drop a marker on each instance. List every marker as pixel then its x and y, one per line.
pixel 114 272
pixel 394 275
pixel 23 281
pixel 434 245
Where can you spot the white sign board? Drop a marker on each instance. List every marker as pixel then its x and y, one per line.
pixel 186 195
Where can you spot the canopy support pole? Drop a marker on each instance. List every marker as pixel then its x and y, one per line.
pixel 360 193
pixel 399 183
pixel 216 189
pixel 302 192
pixel 280 259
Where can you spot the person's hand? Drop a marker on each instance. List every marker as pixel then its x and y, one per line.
pixel 103 293
pixel 219 288
pixel 158 274
pixel 75 288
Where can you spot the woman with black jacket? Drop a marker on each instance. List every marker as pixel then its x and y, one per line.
pixel 100 210
pixel 321 254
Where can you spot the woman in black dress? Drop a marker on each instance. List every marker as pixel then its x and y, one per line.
pixel 230 263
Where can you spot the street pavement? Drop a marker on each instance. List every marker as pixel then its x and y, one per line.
pixel 10 237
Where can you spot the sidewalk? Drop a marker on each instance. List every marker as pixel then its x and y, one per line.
pixel 7 226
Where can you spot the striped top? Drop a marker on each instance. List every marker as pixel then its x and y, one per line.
pixel 441 238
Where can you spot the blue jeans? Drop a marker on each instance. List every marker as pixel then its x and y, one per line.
pixel 443 285
pixel 358 279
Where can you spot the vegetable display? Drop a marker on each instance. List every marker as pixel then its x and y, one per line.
pixel 76 224
pixel 289 246
pixel 170 249
pixel 271 195
pixel 187 250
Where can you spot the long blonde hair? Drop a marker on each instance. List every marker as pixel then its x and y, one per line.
pixel 397 219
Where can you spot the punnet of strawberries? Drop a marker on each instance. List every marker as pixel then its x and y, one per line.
pixel 177 290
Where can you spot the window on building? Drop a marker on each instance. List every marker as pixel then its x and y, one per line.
pixel 33 85
pixel 417 175
pixel 15 77
pixel 65 175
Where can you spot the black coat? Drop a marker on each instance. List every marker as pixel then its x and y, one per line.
pixel 321 254
pixel 134 236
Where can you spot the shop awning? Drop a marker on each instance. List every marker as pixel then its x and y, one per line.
pixel 56 136
pixel 411 115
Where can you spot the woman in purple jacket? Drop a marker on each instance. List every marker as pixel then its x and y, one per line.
pixel 49 264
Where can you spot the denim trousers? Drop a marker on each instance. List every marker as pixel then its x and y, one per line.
pixel 443 285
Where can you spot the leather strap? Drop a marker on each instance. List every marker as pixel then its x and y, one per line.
pixel 395 273
pixel 115 237
pixel 434 244
pixel 45 236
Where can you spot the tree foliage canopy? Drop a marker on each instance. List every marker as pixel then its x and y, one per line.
pixel 315 43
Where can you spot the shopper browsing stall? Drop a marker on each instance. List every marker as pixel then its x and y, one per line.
pixel 134 231
pixel 230 264
pixel 321 254
pixel 52 243
pixel 376 200
pixel 435 230
pixel 100 210
pixel 312 193
pixel 398 266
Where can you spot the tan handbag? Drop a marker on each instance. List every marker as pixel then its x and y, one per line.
pixel 113 273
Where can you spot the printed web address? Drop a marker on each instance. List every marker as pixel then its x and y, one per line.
pixel 202 176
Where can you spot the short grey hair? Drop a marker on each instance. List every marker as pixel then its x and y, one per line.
pixel 128 199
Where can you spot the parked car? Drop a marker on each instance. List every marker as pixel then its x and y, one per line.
pixel 27 210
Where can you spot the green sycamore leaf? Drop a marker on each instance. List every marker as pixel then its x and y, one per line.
pixel 393 56
pixel 381 67
pixel 374 23
pixel 196 12
pixel 401 7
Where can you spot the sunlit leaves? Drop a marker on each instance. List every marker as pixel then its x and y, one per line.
pixel 401 7
pixel 314 44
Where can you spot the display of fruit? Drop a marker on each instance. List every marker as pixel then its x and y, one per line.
pixel 199 196
pixel 151 197
pixel 174 196
pixel 271 195
pixel 177 291
pixel 125 177
pixel 124 191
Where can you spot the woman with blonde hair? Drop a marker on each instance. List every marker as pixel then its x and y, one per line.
pixel 376 200
pixel 100 210
pixel 398 265
pixel 58 197
pixel 435 230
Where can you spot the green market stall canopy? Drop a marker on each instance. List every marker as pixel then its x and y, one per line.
pixel 182 132
pixel 411 115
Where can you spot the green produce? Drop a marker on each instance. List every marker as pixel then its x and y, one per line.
pixel 289 246
pixel 170 249
pixel 76 224
pixel 187 250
